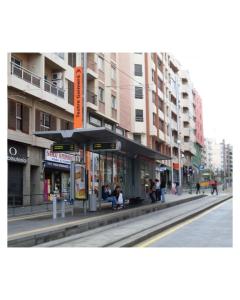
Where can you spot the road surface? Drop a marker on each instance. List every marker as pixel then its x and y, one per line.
pixel 210 229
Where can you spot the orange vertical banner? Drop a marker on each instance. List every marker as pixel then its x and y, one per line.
pixel 78 98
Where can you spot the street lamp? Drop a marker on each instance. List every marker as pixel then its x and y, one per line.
pixel 179 166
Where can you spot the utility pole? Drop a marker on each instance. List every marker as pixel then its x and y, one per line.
pixel 179 140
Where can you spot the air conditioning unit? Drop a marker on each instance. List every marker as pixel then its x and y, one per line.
pixel 57 76
pixel 58 83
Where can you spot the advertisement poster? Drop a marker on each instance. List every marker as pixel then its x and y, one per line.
pixel 80 188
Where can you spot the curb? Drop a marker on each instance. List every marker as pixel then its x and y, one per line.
pixel 30 240
pixel 135 239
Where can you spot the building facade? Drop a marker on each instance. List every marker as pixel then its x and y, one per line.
pixel 143 96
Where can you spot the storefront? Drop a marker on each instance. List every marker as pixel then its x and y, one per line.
pixel 57 173
pixel 17 159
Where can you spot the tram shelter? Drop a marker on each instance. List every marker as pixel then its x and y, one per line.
pixel 129 165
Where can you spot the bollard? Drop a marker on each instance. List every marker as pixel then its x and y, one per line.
pixel 54 207
pixel 63 208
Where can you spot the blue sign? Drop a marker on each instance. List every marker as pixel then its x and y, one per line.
pixel 201 167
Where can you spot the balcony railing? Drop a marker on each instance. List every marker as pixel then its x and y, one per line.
pixel 53 89
pixel 91 97
pixel 25 74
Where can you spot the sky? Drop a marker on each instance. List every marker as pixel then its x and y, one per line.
pixel 208 72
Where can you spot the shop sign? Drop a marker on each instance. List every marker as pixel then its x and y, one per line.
pixel 17 153
pixel 63 158
pixel 78 101
pixel 58 166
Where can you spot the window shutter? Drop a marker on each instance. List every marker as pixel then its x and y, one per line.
pixel 12 114
pixel 53 123
pixel 25 119
pixel 37 120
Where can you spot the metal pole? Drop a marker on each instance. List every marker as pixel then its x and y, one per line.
pixel 54 206
pixel 170 134
pixel 179 141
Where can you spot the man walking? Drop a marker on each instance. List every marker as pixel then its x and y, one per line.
pixel 163 190
pixel 198 188
pixel 158 192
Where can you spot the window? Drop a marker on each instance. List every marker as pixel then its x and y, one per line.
pixel 160 104
pixel 160 65
pixel 109 126
pixel 70 92
pixel 153 75
pixel 94 121
pixel 154 119
pixel 137 137
pixel 101 63
pixel 138 70
pixel 153 97
pixel 16 61
pixel 114 102
pixel 138 92
pixel 18 116
pixel 72 59
pixel 174 116
pixel 101 94
pixel 160 84
pixel 185 95
pixel 45 120
pixel 113 73
pixel 120 131
pixel 139 115
pixel 184 81
pixel 161 125
pixel 66 125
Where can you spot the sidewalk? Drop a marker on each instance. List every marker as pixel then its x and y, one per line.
pixel 37 229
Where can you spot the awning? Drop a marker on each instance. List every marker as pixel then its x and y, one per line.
pixel 89 136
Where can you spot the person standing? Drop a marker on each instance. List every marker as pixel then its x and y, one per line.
pixel 197 188
pixel 158 191
pixel 163 190
pixel 214 187
pixel 152 190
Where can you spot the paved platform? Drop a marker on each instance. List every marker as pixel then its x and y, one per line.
pixel 129 231
pixel 33 230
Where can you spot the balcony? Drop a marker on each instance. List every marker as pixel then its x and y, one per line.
pixel 91 97
pixel 53 89
pixel 25 75
pixel 91 66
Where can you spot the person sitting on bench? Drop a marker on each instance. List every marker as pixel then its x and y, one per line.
pixel 108 196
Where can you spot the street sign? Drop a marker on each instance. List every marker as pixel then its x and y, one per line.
pixel 106 146
pixel 63 148
pixel 201 167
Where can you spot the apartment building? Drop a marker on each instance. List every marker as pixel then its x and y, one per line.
pixel 40 98
pixel 226 161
